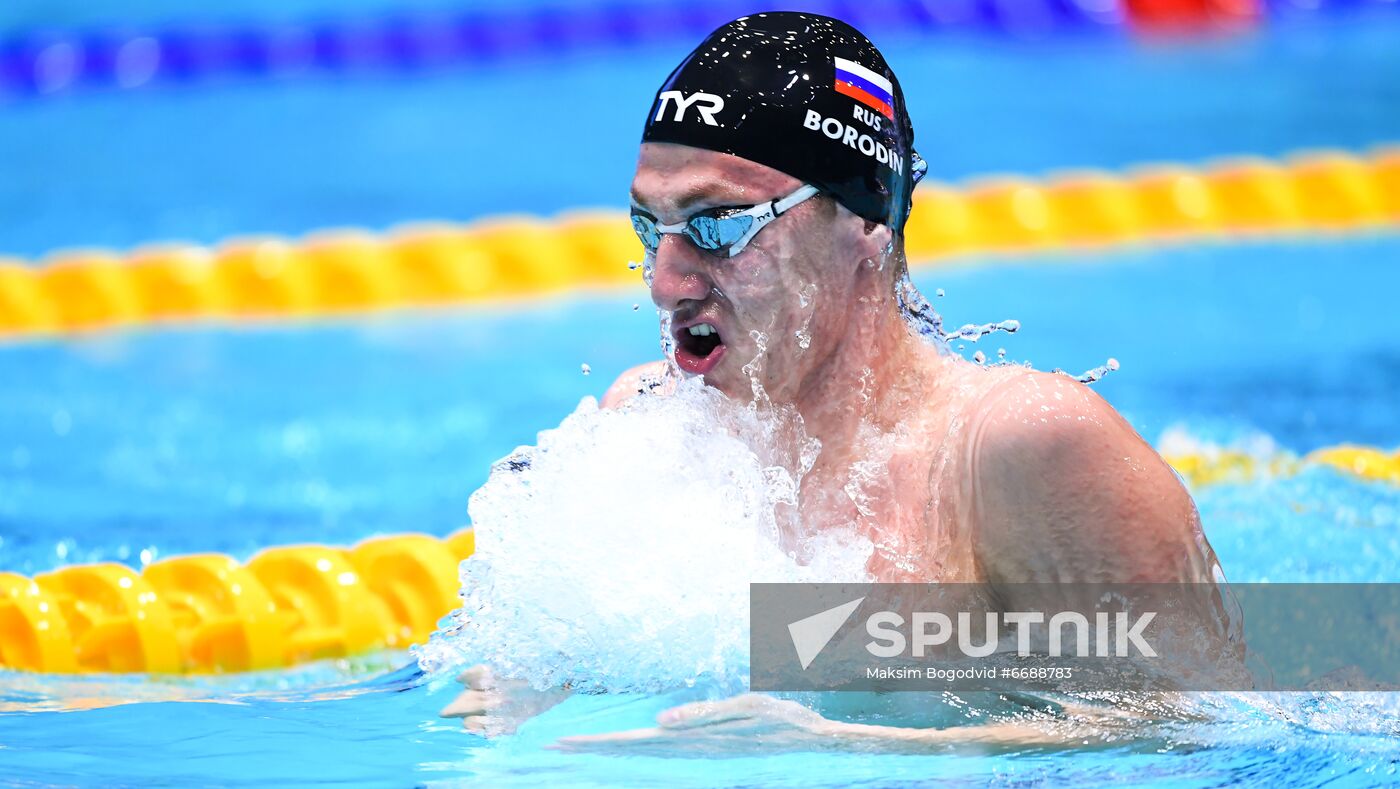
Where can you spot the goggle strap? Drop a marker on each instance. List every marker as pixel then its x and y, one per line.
pixel 806 191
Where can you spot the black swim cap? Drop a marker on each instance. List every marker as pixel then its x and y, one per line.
pixel 807 95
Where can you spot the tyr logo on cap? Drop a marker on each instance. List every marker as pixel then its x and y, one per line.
pixel 707 104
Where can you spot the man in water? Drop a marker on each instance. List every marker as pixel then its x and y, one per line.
pixel 771 195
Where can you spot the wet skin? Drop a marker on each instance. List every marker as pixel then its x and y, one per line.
pixel 995 476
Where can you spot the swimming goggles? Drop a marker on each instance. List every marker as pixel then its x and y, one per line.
pixel 723 232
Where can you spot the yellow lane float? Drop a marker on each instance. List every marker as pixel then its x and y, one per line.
pixel 208 613
pixel 352 271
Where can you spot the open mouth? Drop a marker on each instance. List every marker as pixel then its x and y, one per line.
pixel 698 348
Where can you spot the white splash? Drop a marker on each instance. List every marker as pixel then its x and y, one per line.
pixel 616 554
pixel 925 320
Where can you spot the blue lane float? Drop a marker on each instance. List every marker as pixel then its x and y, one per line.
pixel 39 63
pixel 45 62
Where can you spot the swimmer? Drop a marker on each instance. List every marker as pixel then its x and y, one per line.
pixel 771 193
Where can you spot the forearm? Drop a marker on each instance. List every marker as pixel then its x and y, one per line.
pixel 1038 733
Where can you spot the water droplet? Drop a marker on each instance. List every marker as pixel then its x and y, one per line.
pixel 938 293
pixel 979 357
pixel 636 307
pixel 585 368
pixel 1095 374
pixel 1001 354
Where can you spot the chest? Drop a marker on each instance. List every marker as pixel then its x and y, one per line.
pixel 897 500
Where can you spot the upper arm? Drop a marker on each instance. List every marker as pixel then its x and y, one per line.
pixel 630 384
pixel 1065 490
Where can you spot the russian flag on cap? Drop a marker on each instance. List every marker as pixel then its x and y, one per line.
pixel 865 86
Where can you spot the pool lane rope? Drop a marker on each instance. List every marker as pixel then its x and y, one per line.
pixel 45 62
pixel 208 613
pixel 349 272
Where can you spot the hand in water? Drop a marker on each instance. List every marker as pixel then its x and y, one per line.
pixel 738 723
pixel 491 707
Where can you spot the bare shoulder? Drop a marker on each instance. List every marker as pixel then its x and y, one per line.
pixel 1065 489
pixel 631 383
pixel 1032 406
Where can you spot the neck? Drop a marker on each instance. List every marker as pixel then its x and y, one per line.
pixel 868 378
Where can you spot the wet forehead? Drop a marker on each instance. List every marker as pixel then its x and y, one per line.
pixel 674 179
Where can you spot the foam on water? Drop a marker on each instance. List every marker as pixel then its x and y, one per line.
pixel 616 554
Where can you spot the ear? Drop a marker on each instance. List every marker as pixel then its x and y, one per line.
pixel 868 239
pixel 875 240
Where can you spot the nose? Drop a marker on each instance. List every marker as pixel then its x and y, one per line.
pixel 678 274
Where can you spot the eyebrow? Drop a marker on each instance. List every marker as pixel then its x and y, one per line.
pixel 719 191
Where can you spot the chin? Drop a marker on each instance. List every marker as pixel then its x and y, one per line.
pixel 730 383
pixel 718 379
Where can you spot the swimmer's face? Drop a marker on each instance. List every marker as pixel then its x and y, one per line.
pixel 782 305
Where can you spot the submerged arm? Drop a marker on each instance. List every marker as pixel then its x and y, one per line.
pixel 755 722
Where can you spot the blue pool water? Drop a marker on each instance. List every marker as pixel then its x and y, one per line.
pixel 231 439
pixel 203 162
pixel 161 442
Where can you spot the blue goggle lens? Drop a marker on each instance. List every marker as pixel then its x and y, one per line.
pixel 717 233
pixel 710 233
pixel 647 232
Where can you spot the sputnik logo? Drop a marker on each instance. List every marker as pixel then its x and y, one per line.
pixel 811 635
